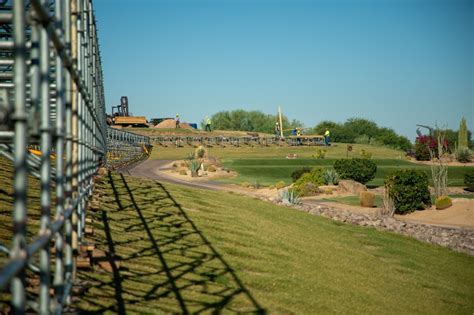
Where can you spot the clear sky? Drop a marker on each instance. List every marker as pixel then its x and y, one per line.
pixel 397 62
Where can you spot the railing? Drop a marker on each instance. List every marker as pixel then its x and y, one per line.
pixel 52 126
pixel 178 140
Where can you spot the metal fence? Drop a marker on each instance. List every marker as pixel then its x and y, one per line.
pixel 52 126
pixel 222 141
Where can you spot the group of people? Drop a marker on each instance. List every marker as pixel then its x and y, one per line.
pixel 208 123
pixel 297 132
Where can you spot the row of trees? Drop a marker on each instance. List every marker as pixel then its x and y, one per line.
pixel 363 131
pixel 253 121
pixel 353 130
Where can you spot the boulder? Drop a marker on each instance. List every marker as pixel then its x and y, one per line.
pixel 351 186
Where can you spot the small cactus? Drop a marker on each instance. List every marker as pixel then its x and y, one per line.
pixel 367 199
pixel 200 152
pixel 443 202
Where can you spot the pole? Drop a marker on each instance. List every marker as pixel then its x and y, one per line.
pixel 281 121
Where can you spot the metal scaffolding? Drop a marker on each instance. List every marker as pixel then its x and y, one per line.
pixel 53 127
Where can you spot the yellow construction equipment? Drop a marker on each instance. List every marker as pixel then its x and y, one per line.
pixel 121 117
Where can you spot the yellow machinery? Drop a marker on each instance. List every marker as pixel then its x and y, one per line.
pixel 121 117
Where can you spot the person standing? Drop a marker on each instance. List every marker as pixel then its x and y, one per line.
pixel 177 121
pixel 327 137
pixel 277 129
pixel 208 124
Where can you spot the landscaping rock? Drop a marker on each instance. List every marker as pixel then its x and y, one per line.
pixel 351 186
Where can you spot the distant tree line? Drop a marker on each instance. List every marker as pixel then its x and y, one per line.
pixel 363 131
pixel 253 121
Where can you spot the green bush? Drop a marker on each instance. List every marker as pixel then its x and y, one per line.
pixel 469 180
pixel 409 190
pixel 421 152
pixel 315 178
pixel 321 154
pixel 360 170
pixel 296 174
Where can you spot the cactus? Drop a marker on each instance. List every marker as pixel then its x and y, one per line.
pixel 331 177
pixel 366 199
pixel 290 197
pixel 462 134
pixel 443 202
pixel 194 167
pixel 280 185
pixel 200 152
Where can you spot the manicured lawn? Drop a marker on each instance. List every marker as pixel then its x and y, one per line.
pixel 269 171
pixel 338 150
pixel 187 250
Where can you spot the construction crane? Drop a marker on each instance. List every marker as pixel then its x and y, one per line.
pixel 121 116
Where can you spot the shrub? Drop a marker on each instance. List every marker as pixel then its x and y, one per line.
pixel 409 190
pixel 279 185
pixel 296 174
pixel 211 168
pixel 245 184
pixel 331 177
pixel 367 199
pixel 321 154
pixel 183 172
pixel 315 177
pixel 469 180
pixel 424 144
pixel 365 154
pixel 360 170
pixel 463 154
pixel 443 202
pixel 363 139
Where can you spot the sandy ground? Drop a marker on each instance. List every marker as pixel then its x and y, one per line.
pixel 448 163
pixel 460 214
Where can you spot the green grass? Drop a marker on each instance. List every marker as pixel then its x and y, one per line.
pixel 191 250
pixel 338 150
pixel 352 200
pixel 270 171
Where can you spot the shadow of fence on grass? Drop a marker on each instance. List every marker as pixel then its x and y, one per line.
pixel 160 260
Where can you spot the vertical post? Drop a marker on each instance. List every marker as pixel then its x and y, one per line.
pixel 68 230
pixel 20 144
pixel 58 281
pixel 45 171
pixel 74 131
pixel 281 121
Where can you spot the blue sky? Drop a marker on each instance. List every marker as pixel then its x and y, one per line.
pixel 397 62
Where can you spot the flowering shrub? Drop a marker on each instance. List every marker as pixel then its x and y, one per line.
pixel 424 144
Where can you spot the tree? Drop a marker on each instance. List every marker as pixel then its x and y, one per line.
pixel 253 121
